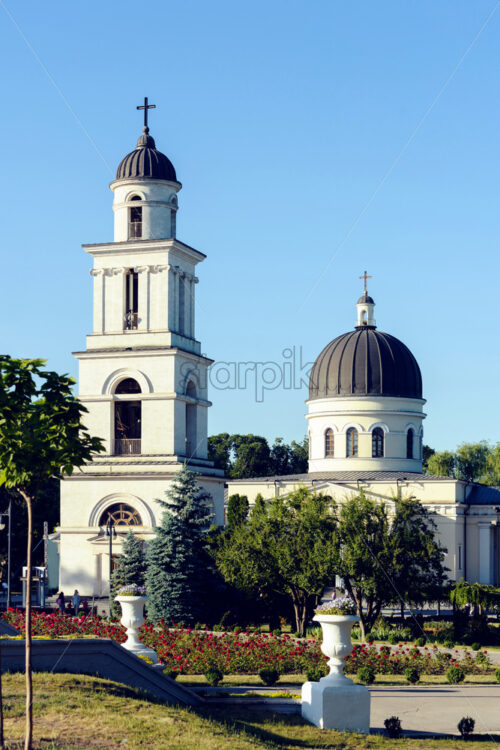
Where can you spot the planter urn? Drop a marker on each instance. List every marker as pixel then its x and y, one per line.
pixel 335 702
pixel 132 619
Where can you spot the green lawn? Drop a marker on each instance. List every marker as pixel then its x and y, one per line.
pixel 296 680
pixel 75 711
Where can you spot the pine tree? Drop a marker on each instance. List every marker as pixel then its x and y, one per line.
pixel 131 568
pixel 179 569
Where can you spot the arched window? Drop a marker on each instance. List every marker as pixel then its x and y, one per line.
pixel 129 385
pixel 131 299
pixel 127 419
pixel 409 443
pixel 329 446
pixel 191 421
pixel 377 442
pixel 122 514
pixel 135 219
pixel 351 442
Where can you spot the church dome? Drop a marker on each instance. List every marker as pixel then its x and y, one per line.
pixel 365 362
pixel 146 162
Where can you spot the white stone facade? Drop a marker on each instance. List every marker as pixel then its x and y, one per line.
pixel 143 381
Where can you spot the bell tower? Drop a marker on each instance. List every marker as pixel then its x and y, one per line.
pixel 142 376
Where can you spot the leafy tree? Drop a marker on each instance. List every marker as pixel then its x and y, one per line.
pixel 427 452
pixel 299 461
pixel 286 547
pixel 280 457
pixel 179 577
pixel 219 451
pixel 478 595
pixel 237 511
pixel 442 464
pixel 492 471
pixel 131 568
pixel 364 556
pixel 42 437
pixel 418 573
pixel 471 460
pixel 252 456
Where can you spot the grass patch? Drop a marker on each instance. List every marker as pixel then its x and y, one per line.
pixel 78 712
pixel 296 680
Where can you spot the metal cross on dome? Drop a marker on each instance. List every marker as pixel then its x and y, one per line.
pixel 145 107
pixel 365 277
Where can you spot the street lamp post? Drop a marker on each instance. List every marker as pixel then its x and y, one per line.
pixel 110 532
pixel 7 513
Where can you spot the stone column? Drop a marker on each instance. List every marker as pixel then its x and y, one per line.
pixel 484 528
pixel 98 274
pixel 159 295
pixel 143 298
pixel 115 303
pixel 193 281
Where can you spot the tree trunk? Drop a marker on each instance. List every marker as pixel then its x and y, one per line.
pixel 300 616
pixel 402 608
pixel 28 739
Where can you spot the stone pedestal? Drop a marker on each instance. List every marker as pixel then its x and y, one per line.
pixel 335 702
pixel 132 619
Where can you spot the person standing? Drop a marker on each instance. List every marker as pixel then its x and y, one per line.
pixel 61 602
pixel 76 602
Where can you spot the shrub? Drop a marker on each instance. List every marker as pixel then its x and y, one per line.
pixel 497 674
pixel 316 673
pixel 444 656
pixel 366 675
pixel 355 634
pixel 394 638
pixel 449 644
pixel 276 632
pixel 269 676
pixel 214 677
pixel 475 646
pixel 455 675
pixel 482 658
pixel 393 727
pixel 412 675
pixel 420 642
pixel 172 673
pixel 147 659
pixel 466 726
pixel 199 626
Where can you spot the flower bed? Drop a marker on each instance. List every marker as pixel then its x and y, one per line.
pixel 197 651
pixel 385 660
pixel 55 625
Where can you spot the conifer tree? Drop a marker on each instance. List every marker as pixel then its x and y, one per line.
pixel 131 568
pixel 179 569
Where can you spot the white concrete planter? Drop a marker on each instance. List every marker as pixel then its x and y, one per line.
pixel 335 702
pixel 132 619
pixel 336 644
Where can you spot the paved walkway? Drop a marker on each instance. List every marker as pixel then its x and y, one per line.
pixel 422 710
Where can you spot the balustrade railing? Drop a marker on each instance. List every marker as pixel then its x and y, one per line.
pixel 127 446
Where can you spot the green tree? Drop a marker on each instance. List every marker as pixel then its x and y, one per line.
pixel 492 472
pixel 300 456
pixel 442 464
pixel 131 568
pixel 471 461
pixel 219 451
pixel 364 557
pixel 42 437
pixel 179 570
pixel 417 569
pixel 237 511
pixel 280 458
pixel 480 596
pixel 427 452
pixel 286 547
pixel 251 456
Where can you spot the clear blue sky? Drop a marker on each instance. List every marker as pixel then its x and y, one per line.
pixel 282 120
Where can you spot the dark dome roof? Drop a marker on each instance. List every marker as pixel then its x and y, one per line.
pixel 365 362
pixel 146 161
pixel 365 298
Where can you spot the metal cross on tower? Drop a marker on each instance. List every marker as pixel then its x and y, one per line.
pixel 145 107
pixel 365 277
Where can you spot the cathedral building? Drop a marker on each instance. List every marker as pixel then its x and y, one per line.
pixel 142 376
pixel 365 417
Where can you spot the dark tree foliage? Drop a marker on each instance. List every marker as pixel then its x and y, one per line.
pixel 245 456
pixel 237 511
pixel 179 569
pixel 131 568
